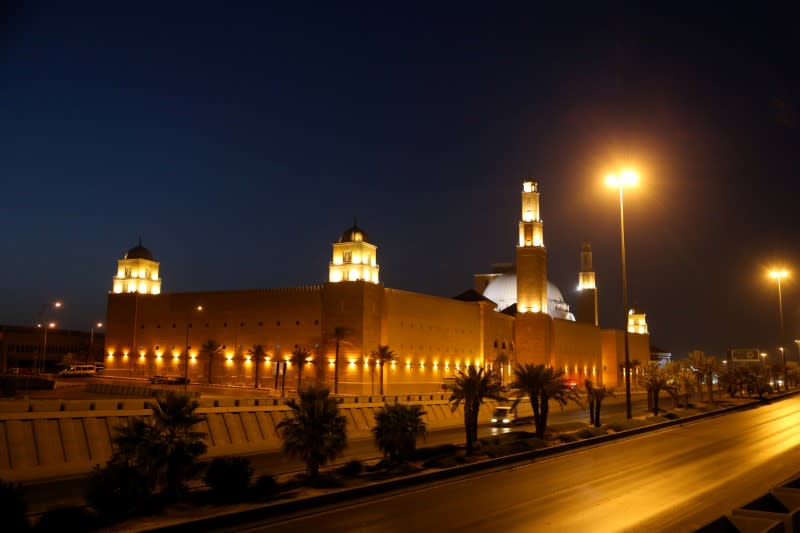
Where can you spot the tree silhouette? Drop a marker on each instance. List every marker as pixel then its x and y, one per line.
pixel 383 354
pixel 471 388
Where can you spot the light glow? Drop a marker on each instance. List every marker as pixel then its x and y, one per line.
pixel 626 178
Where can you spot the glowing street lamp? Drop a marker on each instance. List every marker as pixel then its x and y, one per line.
pixel 91 341
pixel 779 275
pixel 57 304
pixel 626 178
pixel 186 353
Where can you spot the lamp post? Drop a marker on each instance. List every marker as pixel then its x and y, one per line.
pixel 186 354
pixel 91 341
pixel 47 326
pixel 627 178
pixel 779 275
pixel 43 354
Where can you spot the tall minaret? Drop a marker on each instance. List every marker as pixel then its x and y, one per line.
pixel 587 289
pixel 531 254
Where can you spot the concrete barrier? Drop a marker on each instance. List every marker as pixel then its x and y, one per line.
pixel 783 509
pixel 42 439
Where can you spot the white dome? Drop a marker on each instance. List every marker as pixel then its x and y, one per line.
pixel 502 290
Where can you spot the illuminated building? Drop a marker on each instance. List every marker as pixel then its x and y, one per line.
pixel 137 271
pixel 515 311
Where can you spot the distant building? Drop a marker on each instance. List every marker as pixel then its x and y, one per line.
pixel 662 357
pixel 514 311
pixel 22 346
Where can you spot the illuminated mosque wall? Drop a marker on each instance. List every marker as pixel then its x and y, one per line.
pixel 433 337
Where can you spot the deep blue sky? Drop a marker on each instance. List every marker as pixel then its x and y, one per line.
pixel 239 144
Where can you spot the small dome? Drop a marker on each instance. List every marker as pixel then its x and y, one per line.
pixel 139 252
pixel 354 234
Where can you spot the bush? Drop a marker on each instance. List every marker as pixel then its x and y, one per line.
pixel 265 487
pixel 229 477
pixel 444 461
pixel 117 491
pixel 351 468
pixel 670 416
pixel 590 432
pixel 428 452
pixel 65 519
pixel 568 437
pixel 13 507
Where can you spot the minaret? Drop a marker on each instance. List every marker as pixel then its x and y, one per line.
pixel 532 325
pixel 137 272
pixel 587 289
pixel 531 254
pixel 354 258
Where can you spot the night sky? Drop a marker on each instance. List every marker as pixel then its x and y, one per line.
pixel 240 143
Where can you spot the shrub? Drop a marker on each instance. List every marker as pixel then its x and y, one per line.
pixel 429 452
pixel 590 432
pixel 117 491
pixel 61 519
pixel 670 416
pixel 229 477
pixel 568 437
pixel 351 468
pixel 265 487
pixel 13 507
pixel 444 461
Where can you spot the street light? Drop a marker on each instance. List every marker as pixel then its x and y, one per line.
pixel 52 305
pixel 91 341
pixel 186 354
pixel 779 275
pixel 626 178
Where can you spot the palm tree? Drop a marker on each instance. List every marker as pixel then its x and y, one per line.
pixel 258 354
pixel 298 360
pixel 711 369
pixel 680 380
pixel 383 354
pixel 502 360
pixel 543 384
pixel 397 427
pixel 340 333
pixel 471 388
pixel 590 399
pixel 654 380
pixel 315 432
pixel 212 348
pixel 165 446
pixel 600 393
pixel 696 363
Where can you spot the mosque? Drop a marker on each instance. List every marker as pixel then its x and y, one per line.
pixel 514 311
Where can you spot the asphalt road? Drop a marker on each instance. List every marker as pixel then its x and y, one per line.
pixel 673 480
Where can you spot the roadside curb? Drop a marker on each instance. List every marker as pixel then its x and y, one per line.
pixel 272 510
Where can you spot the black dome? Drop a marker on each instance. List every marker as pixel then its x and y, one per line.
pixel 139 252
pixel 354 234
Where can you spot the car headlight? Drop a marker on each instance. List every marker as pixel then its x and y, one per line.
pixel 494 420
pixel 506 421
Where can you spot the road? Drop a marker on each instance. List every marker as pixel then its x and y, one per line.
pixel 673 480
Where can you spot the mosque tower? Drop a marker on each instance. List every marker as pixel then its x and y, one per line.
pixel 354 258
pixel 531 255
pixel 532 324
pixel 587 289
pixel 137 272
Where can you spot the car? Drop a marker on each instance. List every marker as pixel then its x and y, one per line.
pixel 158 379
pixel 177 380
pixel 504 415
